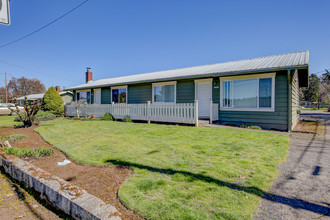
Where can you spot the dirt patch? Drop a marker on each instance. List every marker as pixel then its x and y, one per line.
pixel 310 126
pixel 100 181
pixel 16 203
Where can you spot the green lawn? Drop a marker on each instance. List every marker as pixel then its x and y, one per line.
pixel 8 121
pixel 313 109
pixel 179 172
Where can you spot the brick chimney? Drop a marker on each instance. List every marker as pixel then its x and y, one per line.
pixel 89 75
pixel 58 89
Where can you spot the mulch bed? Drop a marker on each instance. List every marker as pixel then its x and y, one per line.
pixel 100 181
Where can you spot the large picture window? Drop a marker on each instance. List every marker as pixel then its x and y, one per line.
pixel 248 93
pixel 119 94
pixel 164 92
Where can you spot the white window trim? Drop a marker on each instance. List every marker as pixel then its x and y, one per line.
pixel 83 90
pixel 209 80
pixel 120 87
pixel 254 76
pixel 164 84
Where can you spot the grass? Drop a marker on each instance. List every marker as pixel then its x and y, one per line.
pixel 8 121
pixel 15 137
pixel 179 172
pixel 27 152
pixel 313 109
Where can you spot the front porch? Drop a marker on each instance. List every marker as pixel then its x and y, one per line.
pixel 185 113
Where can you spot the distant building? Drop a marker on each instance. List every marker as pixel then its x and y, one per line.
pixel 67 97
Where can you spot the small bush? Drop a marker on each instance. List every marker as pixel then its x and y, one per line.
pixel 299 112
pixel 255 127
pixel 15 137
pixel 107 117
pixel 45 116
pixel 41 116
pixel 27 152
pixel 127 119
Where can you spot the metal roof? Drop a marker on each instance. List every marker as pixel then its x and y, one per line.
pixel 262 64
pixel 38 96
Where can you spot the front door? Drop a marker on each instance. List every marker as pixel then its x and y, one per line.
pixel 203 93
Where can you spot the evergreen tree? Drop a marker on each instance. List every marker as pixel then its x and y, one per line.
pixel 312 92
pixel 53 102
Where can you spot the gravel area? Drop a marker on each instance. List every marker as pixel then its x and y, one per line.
pixel 302 191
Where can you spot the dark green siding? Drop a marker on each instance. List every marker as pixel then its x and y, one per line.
pixel 92 96
pixel 140 93
pixel 268 120
pixel 185 91
pixel 74 95
pixel 105 96
pixel 216 90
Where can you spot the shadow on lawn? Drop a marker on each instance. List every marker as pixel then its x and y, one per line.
pixel 293 202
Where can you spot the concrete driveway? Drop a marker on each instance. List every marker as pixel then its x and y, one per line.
pixel 302 190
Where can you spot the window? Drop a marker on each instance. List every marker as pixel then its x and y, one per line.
pixel 248 92
pixel 119 94
pixel 85 96
pixel 164 92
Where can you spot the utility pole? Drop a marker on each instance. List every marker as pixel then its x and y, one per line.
pixel 6 87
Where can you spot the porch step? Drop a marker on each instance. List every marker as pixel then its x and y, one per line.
pixel 203 123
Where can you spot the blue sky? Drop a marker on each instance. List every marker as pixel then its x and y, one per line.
pixel 117 38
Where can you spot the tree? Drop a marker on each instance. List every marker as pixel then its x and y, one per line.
pixel 23 86
pixel 2 94
pixel 28 117
pixel 325 88
pixel 53 102
pixel 311 93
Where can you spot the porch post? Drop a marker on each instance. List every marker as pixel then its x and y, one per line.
pixel 196 113
pixel 211 111
pixel 148 111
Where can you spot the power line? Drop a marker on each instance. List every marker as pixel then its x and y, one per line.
pixel 39 29
pixel 30 70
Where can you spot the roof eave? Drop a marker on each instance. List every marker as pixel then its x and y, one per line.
pixel 216 74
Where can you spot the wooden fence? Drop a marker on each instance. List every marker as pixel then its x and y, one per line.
pixel 158 112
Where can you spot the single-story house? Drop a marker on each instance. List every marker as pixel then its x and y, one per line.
pixel 67 97
pixel 261 91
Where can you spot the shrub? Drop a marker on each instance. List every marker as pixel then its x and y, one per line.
pixel 298 111
pixel 40 116
pixel 127 119
pixel 107 117
pixel 45 116
pixel 53 102
pixel 29 116
pixel 15 137
pixel 27 152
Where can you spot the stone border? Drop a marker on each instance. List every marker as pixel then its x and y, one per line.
pixel 65 196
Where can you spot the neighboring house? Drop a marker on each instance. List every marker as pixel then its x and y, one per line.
pixel 67 97
pixel 262 91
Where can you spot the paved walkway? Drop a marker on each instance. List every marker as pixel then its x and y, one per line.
pixel 302 190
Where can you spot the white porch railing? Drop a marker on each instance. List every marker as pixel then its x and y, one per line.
pixel 160 112
pixel 214 112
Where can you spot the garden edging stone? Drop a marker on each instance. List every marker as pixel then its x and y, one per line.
pixel 69 198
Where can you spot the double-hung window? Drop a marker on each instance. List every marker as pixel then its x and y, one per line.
pixel 164 92
pixel 85 96
pixel 119 94
pixel 248 93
